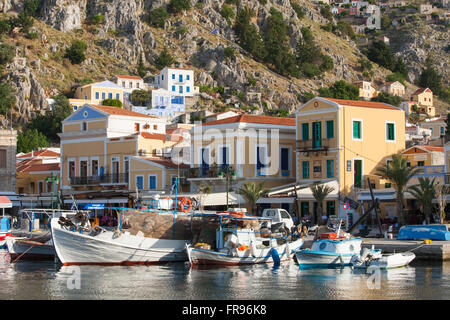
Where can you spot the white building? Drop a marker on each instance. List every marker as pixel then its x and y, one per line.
pixel 178 81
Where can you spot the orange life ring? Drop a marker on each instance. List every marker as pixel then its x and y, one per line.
pixel 183 202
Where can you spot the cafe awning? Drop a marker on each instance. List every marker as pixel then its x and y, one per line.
pixel 5 202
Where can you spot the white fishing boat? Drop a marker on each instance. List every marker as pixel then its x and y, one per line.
pixel 240 240
pixel 382 261
pixel 3 236
pixel 329 249
pixel 28 249
pixel 77 243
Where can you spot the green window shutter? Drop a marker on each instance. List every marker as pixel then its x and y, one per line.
pixel 330 208
pixel 330 168
pixel 330 129
pixel 305 167
pixel 305 131
pixel 390 131
pixel 357 129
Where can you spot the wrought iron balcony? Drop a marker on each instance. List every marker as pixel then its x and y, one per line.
pixel 313 145
pixel 115 178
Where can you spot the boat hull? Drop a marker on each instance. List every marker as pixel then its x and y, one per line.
pixel 308 258
pixel 26 249
pixel 74 248
pixel 389 261
pixel 210 257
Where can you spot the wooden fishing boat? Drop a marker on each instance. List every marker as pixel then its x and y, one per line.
pixel 29 249
pixel 77 243
pixel 385 261
pixel 238 242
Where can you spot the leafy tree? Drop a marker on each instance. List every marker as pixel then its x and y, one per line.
pixel 396 76
pixel 298 10
pixel 380 53
pixel 75 53
pixel 23 21
pixel 140 97
pixel 385 21
pixel 252 192
pixel 399 174
pixel 365 65
pixel 346 29
pixel 32 7
pixel 158 17
pixel 141 68
pixel 430 78
pixel 176 6
pixel 165 59
pixel 307 50
pixel 99 18
pixel 326 13
pixel 50 123
pixel 248 35
pixel 112 103
pixel 401 68
pixel 31 139
pixel 229 52
pixel 5 27
pixel 276 44
pixel 320 192
pixel 7 98
pixel 7 53
pixel 388 98
pixel 340 90
pixel 424 192
pixel 227 12
pixel 327 63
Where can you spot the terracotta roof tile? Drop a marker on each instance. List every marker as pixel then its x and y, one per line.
pixel 362 103
pixel 35 165
pixel 129 77
pixel 40 153
pixel 434 148
pixel 121 112
pixel 420 90
pixel 248 118
pixel 160 136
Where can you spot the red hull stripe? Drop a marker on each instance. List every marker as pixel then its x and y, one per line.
pixel 123 263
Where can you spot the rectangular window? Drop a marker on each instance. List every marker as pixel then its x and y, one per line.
pixel 110 95
pixel 442 130
pixel 331 208
pixel 317 135
pixel 305 208
pixel 103 96
pixel 162 77
pixel 357 165
pixel 173 76
pixel 284 159
pixel 420 163
pixel 140 182
pixel 305 131
pixel 173 88
pixel 305 169
pixel 188 89
pixel 152 182
pixel 260 160
pixel 180 89
pixel 118 96
pixel 94 167
pixel 137 127
pixel 3 158
pixel 188 77
pixel 180 78
pixel 84 126
pixel 356 129
pixel 390 131
pixel 97 95
pixel 83 168
pixel 41 186
pixel 330 168
pixel 330 129
pixel 387 185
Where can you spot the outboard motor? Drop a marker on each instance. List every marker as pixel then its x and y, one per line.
pixel 365 254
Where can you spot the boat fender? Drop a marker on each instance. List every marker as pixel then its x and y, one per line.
pixel 253 248
pixel 275 256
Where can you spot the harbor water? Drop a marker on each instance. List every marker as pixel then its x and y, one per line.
pixel 176 281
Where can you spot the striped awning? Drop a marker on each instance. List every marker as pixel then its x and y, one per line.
pixel 5 202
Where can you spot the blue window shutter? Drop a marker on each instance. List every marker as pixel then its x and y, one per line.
pixel 140 182
pixel 305 169
pixel 103 96
pixel 173 75
pixel 110 95
pixel 330 129
pixel 188 89
pixel 330 168
pixel 97 95
pixel 152 183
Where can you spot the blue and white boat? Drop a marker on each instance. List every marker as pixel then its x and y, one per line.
pixel 329 253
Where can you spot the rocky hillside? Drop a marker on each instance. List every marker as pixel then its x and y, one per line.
pixel 116 44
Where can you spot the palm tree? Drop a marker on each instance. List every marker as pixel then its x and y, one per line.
pixel 252 192
pixel 424 192
pixel 399 174
pixel 320 192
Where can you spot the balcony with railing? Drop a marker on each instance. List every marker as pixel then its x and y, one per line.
pixel 115 178
pixel 311 145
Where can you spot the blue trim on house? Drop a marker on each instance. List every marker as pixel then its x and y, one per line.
pixel 80 114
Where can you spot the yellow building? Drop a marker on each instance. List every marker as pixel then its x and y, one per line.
pixel 246 148
pixel 394 87
pixel 342 142
pixel 424 98
pixel 101 146
pixel 366 90
pixel 430 159
pixel 35 171
pixel 95 93
pixel 436 125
